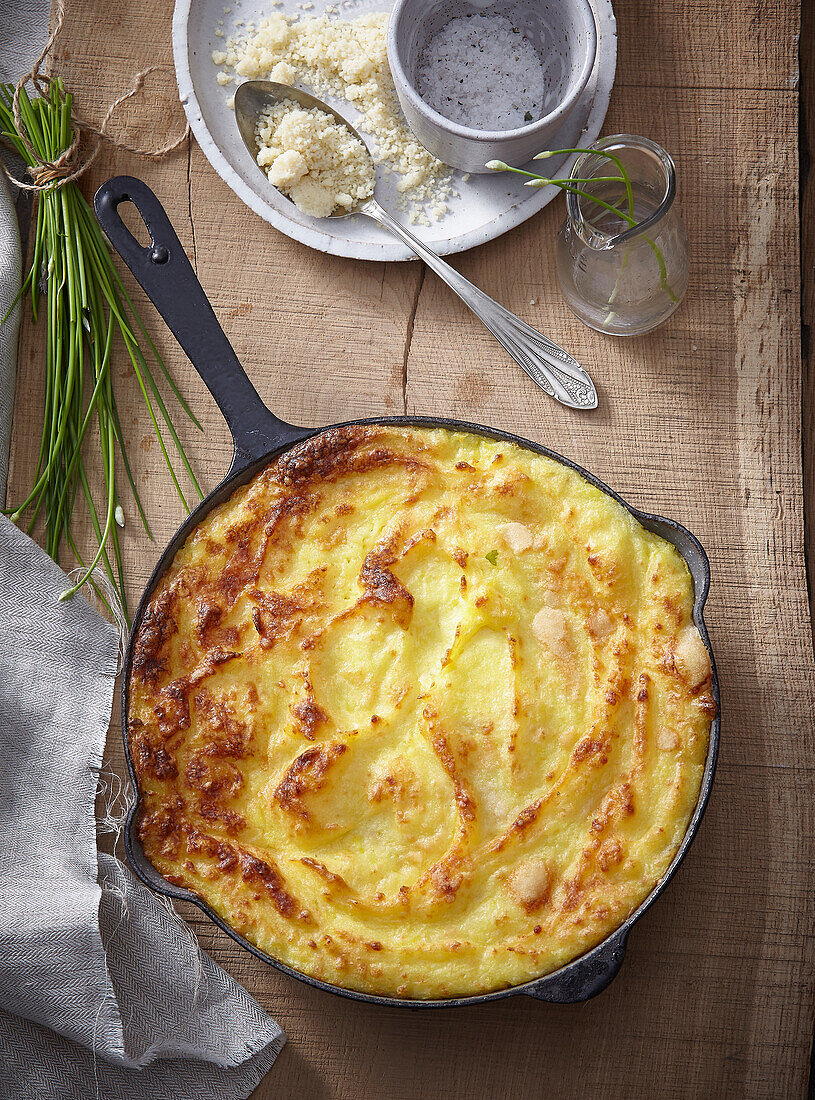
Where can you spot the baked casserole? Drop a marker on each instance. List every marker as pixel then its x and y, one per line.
pixel 419 713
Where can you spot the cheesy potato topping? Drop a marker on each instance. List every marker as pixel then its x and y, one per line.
pixel 419 713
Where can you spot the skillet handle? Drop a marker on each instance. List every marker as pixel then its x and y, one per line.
pixel 586 976
pixel 167 277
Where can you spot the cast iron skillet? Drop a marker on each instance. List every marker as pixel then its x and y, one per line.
pixel 259 436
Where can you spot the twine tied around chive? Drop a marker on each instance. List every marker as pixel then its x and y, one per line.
pixel 69 166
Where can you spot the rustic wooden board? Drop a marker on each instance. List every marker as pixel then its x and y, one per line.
pixel 701 421
pixel 807 153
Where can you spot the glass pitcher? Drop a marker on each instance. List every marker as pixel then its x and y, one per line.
pixel 619 277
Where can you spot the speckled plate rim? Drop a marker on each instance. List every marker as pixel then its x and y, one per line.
pixel 314 235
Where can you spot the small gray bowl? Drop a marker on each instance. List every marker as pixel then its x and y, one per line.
pixel 565 28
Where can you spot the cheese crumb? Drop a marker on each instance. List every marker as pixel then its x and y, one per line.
pixel 531 883
pixel 218 57
pixel 691 657
pixel 600 624
pixel 283 73
pixel 287 168
pixel 667 739
pixel 224 79
pixel 517 536
pixel 313 159
pixel 550 628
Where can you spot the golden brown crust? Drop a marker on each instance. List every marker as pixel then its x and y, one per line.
pixel 417 713
pixel 380 586
pixel 306 774
pixel 156 626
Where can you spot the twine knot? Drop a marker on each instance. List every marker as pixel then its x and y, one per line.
pixel 50 171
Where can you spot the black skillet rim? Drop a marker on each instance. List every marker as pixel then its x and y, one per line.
pixel 615 941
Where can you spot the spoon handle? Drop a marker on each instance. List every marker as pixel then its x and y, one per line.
pixel 546 363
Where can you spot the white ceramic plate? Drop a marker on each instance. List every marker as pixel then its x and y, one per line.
pixel 487 206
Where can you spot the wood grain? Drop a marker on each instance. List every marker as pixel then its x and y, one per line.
pixel 806 155
pixel 701 421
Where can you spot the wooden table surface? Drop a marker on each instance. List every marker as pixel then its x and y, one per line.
pixel 702 421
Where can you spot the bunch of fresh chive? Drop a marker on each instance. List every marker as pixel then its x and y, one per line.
pixel 577 186
pixel 85 306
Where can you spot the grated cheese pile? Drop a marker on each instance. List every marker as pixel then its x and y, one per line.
pixel 347 59
pixel 313 159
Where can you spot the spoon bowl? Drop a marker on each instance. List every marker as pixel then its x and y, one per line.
pixel 546 363
pixel 256 96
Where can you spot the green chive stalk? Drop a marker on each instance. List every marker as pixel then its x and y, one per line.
pixel 86 308
pixel 576 186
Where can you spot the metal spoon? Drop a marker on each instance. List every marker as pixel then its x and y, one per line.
pixel 547 364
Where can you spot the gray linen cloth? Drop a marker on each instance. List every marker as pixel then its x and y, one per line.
pixel 85 950
pixel 104 992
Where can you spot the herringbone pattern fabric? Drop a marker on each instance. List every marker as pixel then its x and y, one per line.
pixel 103 992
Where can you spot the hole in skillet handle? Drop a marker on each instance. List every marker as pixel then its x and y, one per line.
pixel 124 240
pixel 585 977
